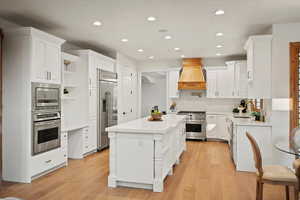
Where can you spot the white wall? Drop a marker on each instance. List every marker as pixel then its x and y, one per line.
pixel 154 94
pixel 283 34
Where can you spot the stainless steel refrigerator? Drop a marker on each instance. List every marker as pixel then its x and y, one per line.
pixel 107 114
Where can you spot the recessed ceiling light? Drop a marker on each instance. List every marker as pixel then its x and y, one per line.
pixel 97 23
pixel 168 37
pixel 151 19
pixel 219 34
pixel 151 57
pixel 219 46
pixel 124 40
pixel 177 49
pixel 182 56
pixel 219 12
pixel 218 54
pixel 140 50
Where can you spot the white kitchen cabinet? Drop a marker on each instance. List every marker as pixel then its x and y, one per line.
pixel 220 82
pixel 220 131
pixel 173 77
pixel 46 60
pixel 225 82
pixel 244 154
pixel 92 62
pixel 259 52
pixel 240 82
pixel 26 55
pixel 228 81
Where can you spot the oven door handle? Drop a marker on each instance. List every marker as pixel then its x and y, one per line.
pixel 54 123
pixel 196 122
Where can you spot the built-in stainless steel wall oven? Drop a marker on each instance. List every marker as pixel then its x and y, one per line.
pixel 195 126
pixel 46 120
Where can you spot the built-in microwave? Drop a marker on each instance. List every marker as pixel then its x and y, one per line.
pixel 45 97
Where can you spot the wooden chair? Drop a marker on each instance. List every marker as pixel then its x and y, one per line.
pixel 272 174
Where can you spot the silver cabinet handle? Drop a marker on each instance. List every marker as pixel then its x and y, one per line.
pixel 48 161
pixel 50 76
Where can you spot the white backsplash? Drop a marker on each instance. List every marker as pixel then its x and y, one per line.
pixel 194 103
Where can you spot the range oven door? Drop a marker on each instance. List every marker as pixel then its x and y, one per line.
pixel 46 136
pixel 45 96
pixel 196 129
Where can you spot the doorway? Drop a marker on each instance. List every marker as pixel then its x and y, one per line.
pixel 153 92
pixel 294 84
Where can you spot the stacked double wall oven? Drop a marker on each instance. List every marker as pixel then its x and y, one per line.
pixel 46 121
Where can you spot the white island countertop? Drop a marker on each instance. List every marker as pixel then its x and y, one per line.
pixel 143 125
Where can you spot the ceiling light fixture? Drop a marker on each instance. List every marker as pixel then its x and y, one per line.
pixel 140 50
pixel 219 46
pixel 97 23
pixel 177 49
pixel 219 12
pixel 182 56
pixel 218 54
pixel 168 37
pixel 219 34
pixel 124 40
pixel 151 19
pixel 151 57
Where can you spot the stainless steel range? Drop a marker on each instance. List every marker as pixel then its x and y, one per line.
pixel 195 127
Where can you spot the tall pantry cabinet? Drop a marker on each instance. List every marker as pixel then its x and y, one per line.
pixel 30 56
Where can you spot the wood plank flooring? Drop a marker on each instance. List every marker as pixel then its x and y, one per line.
pixel 206 172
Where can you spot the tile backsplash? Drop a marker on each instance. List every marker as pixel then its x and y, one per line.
pixel 189 102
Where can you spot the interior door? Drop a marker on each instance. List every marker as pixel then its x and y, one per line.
pixel 128 87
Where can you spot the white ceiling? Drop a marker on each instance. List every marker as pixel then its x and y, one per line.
pixel 191 23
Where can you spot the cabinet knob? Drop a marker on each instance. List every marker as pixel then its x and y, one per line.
pixel 124 113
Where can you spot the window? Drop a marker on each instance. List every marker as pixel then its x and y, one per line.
pixel 294 84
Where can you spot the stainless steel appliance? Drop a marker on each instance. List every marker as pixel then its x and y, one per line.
pixel 107 105
pixel 45 97
pixel 195 126
pixel 46 131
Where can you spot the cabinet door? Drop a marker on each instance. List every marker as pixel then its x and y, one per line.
pixel 92 141
pixel 92 102
pixel 39 71
pixel 212 119
pixel 53 59
pixel 128 89
pixel 173 84
pixel 222 132
pixel 211 83
pixel 241 81
pixel 250 61
pixel 262 135
pixel 225 82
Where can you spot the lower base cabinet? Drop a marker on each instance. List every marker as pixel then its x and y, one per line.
pixel 143 160
pixel 45 162
pixel 243 154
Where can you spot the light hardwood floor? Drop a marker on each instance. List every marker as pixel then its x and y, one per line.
pixel 205 173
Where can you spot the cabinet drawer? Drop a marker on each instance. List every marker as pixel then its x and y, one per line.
pixel 46 161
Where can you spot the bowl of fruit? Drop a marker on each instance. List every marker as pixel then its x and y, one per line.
pixel 156 116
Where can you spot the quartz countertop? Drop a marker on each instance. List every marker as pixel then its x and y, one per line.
pixel 142 125
pixel 240 121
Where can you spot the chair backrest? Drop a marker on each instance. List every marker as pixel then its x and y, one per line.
pixel 256 155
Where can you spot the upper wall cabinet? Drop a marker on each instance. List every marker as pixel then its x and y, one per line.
pixel 259 52
pixel 227 81
pixel 173 77
pixel 42 50
pixel 46 56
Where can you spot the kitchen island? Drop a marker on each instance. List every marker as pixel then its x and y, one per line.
pixel 143 153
